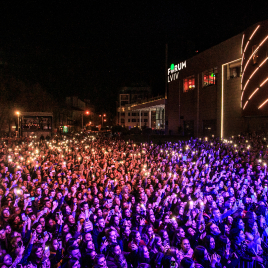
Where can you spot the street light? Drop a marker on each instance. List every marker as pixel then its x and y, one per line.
pixel 18 114
pixel 87 113
pixel 102 115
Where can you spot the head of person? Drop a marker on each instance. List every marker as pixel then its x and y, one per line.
pixel 135 236
pixel 73 263
pixel 200 254
pixel 116 250
pixel 121 261
pixel 143 253
pixel 173 252
pixel 7 260
pixel 37 251
pixel 216 214
pixel 111 235
pixel 74 252
pixel 209 242
pixel 238 223
pixel 237 235
pixel 185 245
pixel 213 229
pixel 187 263
pixel 100 223
pixel 100 261
pixel 223 242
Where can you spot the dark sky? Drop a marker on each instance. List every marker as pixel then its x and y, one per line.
pixel 90 48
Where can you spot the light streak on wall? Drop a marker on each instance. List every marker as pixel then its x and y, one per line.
pixel 264 82
pixel 242 43
pixel 263 103
pixel 253 93
pixel 245 105
pixel 254 73
pixel 253 55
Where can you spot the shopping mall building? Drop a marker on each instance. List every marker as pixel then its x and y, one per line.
pixel 222 91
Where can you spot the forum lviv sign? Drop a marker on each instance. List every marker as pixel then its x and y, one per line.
pixel 173 71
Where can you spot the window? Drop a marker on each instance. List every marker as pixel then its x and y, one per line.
pixel 145 120
pixel 133 114
pixel 128 120
pixel 145 114
pixel 122 121
pixel 123 114
pixel 233 70
pixel 128 114
pixel 141 114
pixel 188 83
pixel 133 120
pixel 210 77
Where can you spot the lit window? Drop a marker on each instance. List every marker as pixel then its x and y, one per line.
pixel 209 77
pixel 188 83
pixel 233 70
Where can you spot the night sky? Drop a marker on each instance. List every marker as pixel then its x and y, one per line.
pixel 91 48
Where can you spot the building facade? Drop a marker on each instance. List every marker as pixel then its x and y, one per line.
pixel 136 108
pixel 222 91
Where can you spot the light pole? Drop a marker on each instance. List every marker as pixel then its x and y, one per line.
pixel 87 113
pixel 18 114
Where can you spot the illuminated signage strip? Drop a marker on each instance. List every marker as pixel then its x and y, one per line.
pixel 173 71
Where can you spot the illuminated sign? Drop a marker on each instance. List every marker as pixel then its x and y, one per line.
pixel 173 71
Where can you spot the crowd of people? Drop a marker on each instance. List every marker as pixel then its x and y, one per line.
pixel 85 201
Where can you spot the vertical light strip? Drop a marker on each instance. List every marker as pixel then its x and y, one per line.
pixel 263 104
pixel 241 68
pixel 242 43
pixel 222 90
pixel 222 93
